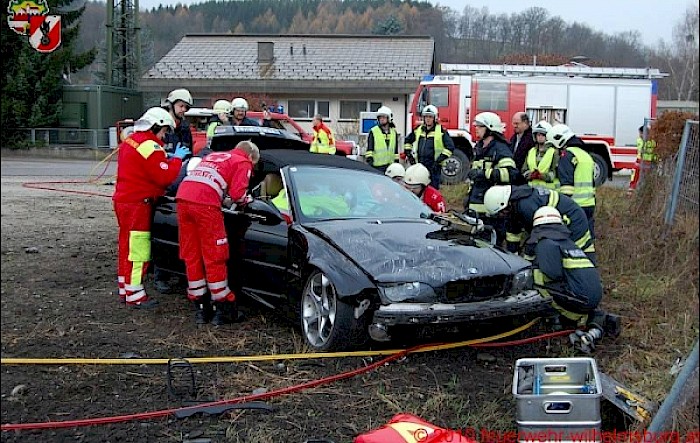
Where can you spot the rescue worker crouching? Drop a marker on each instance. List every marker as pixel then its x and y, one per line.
pixel 204 244
pixel 562 270
pixel 143 174
pixel 396 172
pixel 382 141
pixel 493 164
pixel 222 109
pixel 429 144
pixel 518 204
pixel 540 167
pixel 417 180
pixel 323 141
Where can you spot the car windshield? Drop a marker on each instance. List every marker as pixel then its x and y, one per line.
pixel 327 193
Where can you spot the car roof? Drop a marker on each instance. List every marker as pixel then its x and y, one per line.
pixel 275 159
pixel 226 137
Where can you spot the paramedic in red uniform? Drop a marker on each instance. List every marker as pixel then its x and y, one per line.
pixel 144 171
pixel 203 242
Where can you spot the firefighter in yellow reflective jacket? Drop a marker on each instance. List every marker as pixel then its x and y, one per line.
pixel 562 270
pixel 382 141
pixel 222 109
pixel 314 204
pixel 540 167
pixel 430 145
pixel 576 170
pixel 324 141
pixel 646 158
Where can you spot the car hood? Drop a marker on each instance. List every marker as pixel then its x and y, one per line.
pixel 403 251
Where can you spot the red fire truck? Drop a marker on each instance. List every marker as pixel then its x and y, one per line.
pixel 603 106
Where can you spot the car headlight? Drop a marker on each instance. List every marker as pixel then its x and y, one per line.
pixel 412 292
pixel 522 281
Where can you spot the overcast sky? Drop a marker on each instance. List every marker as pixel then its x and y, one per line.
pixel 654 19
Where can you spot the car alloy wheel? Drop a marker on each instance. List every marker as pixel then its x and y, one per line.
pixel 319 307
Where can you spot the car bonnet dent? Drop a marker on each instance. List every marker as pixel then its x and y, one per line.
pixel 394 252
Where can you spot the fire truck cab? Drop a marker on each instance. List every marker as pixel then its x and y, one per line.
pixel 603 106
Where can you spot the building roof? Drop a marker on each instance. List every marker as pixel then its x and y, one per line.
pixel 388 63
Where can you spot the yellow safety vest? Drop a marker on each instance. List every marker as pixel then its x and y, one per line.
pixel 323 142
pixel 645 151
pixel 384 146
pixel 438 145
pixel 582 191
pixel 547 163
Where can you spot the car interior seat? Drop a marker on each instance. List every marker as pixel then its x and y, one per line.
pixel 271 186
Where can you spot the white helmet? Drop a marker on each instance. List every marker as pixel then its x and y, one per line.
pixel 542 127
pixel 546 215
pixel 222 107
pixel 559 135
pixel 239 103
pixel 429 110
pixel 386 111
pixel 496 199
pixel 417 175
pixel 180 94
pixel 395 170
pixel 126 133
pixel 154 116
pixel 490 121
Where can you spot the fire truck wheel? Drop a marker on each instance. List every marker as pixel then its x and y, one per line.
pixel 455 168
pixel 600 170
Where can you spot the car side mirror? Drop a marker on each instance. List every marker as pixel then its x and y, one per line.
pixel 264 212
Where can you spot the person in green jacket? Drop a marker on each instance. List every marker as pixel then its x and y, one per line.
pixel 222 109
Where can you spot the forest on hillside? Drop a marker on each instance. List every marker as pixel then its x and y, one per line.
pixel 473 35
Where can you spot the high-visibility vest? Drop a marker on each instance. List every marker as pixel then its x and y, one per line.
pixel 323 142
pixel 546 165
pixel 438 145
pixel 384 146
pixel 583 190
pixel 645 151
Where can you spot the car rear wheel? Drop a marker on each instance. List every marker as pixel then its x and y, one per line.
pixel 455 168
pixel 328 323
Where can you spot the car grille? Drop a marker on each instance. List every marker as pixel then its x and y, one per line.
pixel 465 291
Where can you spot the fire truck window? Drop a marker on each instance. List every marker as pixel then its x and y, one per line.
pixel 439 95
pixel 492 96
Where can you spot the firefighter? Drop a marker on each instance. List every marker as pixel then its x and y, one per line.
pixel 562 270
pixel 239 108
pixel 222 109
pixel 396 172
pixel 204 244
pixel 646 157
pixel 576 170
pixel 177 104
pixel 382 141
pixel 417 180
pixel 518 205
pixel 143 174
pixel 323 141
pixel 493 164
pixel 429 144
pixel 540 167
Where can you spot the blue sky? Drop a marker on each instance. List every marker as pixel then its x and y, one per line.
pixel 654 19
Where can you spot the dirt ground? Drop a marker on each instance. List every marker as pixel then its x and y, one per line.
pixel 58 300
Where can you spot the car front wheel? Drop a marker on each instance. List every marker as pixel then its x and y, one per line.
pixel 328 323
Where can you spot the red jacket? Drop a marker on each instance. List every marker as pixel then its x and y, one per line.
pixel 143 169
pixel 434 199
pixel 218 174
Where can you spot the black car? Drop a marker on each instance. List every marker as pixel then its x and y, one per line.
pixel 351 254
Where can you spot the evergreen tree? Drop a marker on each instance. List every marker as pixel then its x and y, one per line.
pixel 32 82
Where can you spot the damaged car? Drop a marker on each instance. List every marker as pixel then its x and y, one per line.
pixel 350 255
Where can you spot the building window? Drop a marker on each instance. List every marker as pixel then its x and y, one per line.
pixel 374 106
pixel 350 109
pixel 492 96
pixel 307 108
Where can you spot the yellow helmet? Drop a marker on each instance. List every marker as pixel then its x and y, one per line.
pixel 222 107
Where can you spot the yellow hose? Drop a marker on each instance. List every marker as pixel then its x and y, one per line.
pixel 239 359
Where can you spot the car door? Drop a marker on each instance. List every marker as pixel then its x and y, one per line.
pixel 165 248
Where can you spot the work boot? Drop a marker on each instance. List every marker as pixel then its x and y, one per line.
pixel 143 303
pixel 225 313
pixel 203 313
pixel 161 281
pixel 612 325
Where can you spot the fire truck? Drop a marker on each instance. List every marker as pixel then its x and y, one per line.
pixel 604 106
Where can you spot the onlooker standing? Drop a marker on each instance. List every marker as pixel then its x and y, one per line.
pixel 144 171
pixel 382 141
pixel 646 158
pixel 521 142
pixel 430 145
pixel 324 141
pixel 203 241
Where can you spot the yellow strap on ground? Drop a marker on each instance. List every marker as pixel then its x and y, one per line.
pixel 251 358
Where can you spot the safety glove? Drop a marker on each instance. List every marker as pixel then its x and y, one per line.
pixel 181 151
pixel 476 175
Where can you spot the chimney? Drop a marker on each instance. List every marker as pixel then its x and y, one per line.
pixel 266 52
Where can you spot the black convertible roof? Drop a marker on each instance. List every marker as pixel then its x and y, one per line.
pixel 275 159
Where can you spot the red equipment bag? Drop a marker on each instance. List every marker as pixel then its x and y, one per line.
pixel 407 428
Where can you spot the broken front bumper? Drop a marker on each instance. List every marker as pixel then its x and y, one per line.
pixel 526 302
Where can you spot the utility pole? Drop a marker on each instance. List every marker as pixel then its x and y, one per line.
pixel 123 43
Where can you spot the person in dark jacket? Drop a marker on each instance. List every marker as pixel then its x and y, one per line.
pixel 382 141
pixel 521 142
pixel 239 108
pixel 492 165
pixel 430 145
pixel 178 102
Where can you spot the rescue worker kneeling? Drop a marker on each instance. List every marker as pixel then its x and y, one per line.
pixel 417 180
pixel 562 270
pixel 203 241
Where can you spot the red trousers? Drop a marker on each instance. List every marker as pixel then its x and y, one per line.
pixel 134 252
pixel 204 248
pixel 642 165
